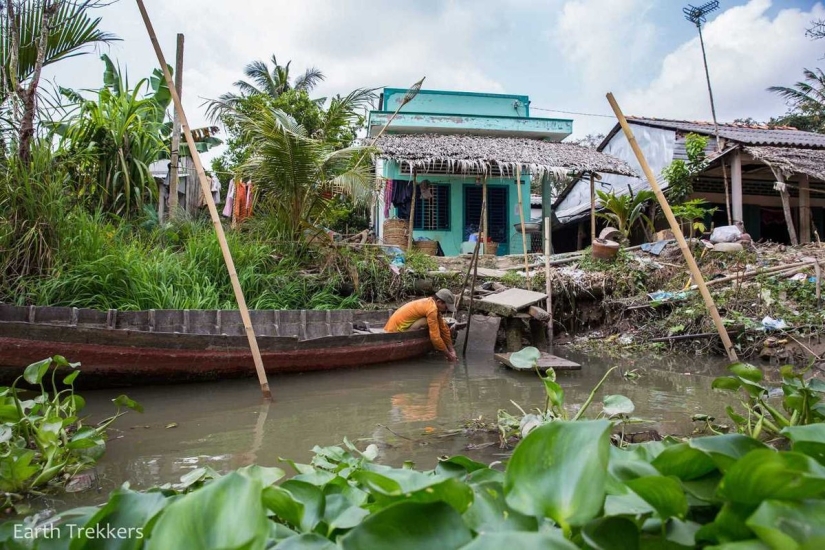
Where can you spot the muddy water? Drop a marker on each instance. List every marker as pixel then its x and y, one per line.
pixel 402 407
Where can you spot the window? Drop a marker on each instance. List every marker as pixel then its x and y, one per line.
pixel 433 214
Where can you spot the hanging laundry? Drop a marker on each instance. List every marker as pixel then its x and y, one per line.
pixel 244 195
pixel 387 197
pixel 425 190
pixel 216 189
pixel 230 200
pixel 402 198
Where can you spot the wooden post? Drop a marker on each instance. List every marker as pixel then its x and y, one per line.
pixel 592 208
pixel 174 152
pixel 805 210
pixel 736 186
pixel 786 205
pixel 548 285
pixel 484 214
pixel 470 308
pixel 213 211
pixel 523 231
pixel 412 216
pixel 674 226
pixel 473 259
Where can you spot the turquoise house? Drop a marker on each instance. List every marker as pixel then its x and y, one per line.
pixel 445 140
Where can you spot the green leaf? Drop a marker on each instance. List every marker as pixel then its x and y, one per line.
pixel 521 541
pixel 124 401
pixel 526 358
pixel 611 533
pixel 226 513
pixel 726 449
pixel 490 512
pixel 409 526
pixel 726 383
pixel 767 474
pixel 554 391
pixel 307 541
pixel 339 513
pixel 684 462
pixel 617 405
pixel 34 373
pixel 664 494
pixel 267 476
pixel 809 440
pixel 85 438
pixel 311 499
pixel 559 471
pixel 747 372
pixel 790 524
pixel 69 380
pixel 128 510
pixel 457 466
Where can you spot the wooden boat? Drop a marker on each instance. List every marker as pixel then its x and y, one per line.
pixel 162 346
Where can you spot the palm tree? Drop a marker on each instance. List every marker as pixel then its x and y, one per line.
pixel 806 100
pixel 274 82
pixel 294 172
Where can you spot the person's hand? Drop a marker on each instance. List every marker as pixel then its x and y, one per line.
pixel 451 356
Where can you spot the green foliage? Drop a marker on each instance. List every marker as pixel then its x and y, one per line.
pixel 693 213
pixel 625 211
pixel 680 174
pixel 564 487
pixel 43 440
pixel 33 203
pixel 111 140
pixel 806 102
pixel 802 400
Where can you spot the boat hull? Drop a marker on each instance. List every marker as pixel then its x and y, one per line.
pixel 119 357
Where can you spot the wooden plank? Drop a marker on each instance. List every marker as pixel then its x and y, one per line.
pixel 509 302
pixel 545 362
pixel 491 273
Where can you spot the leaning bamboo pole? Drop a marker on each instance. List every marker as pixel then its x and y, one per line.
pixel 548 281
pixel 592 207
pixel 474 268
pixel 213 211
pixel 523 231
pixel 674 226
pixel 411 225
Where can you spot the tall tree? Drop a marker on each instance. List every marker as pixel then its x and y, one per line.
pixel 37 33
pixel 273 82
pixel 806 102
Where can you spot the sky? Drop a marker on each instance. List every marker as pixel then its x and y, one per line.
pixel 565 54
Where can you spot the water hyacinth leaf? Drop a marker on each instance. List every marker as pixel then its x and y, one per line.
pixel 307 541
pixel 319 478
pixel 522 541
pixel 526 358
pixel 611 533
pixel 682 532
pixel 456 466
pixel 559 471
pixel 267 476
pixel 766 474
pixel 555 393
pixel 809 440
pixel 69 380
pixel 285 507
pixel 85 438
pixel 615 405
pixel 34 373
pixel 729 525
pixel 124 401
pixel 409 526
pixel 490 512
pixel 726 383
pixel 311 499
pixel 628 504
pixel 747 372
pixel 125 510
pixel 664 494
pixel 684 462
pixel 339 513
pixel 5 434
pixel 226 513
pixel 726 449
pixel 702 491
pixel 395 481
pixel 790 524
pixel 456 493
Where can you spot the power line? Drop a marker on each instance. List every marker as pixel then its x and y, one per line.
pixel 571 112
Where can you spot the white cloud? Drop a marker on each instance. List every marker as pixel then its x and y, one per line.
pixel 747 51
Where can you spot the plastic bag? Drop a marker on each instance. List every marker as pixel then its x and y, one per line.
pixel 725 234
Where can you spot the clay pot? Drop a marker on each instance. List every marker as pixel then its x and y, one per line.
pixel 605 250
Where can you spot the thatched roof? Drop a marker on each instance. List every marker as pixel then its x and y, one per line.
pixel 791 160
pixel 480 154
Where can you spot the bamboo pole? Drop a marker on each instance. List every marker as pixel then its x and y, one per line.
pixel 523 231
pixel 786 206
pixel 213 211
pixel 411 226
pixel 674 226
pixel 592 208
pixel 484 215
pixel 548 284
pixel 474 268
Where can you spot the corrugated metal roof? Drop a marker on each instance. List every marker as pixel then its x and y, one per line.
pixel 747 134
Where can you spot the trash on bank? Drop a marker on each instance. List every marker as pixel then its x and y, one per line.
pixel 769 323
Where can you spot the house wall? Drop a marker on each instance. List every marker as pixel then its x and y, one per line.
pixel 451 240
pixel 467 103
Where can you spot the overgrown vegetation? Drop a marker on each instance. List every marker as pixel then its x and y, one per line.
pixel 44 441
pixel 680 174
pixel 626 211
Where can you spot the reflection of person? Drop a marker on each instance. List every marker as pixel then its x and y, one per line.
pixel 427 312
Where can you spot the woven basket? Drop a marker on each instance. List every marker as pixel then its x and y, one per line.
pixel 491 248
pixel 395 232
pixel 427 247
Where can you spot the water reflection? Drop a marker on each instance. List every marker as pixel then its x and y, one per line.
pixel 403 407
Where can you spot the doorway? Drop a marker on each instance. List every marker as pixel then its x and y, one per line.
pixel 497 213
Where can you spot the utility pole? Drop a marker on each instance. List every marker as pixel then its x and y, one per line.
pixel 174 155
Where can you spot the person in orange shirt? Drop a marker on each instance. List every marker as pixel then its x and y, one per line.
pixel 426 312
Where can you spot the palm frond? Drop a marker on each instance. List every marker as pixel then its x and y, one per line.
pixel 309 80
